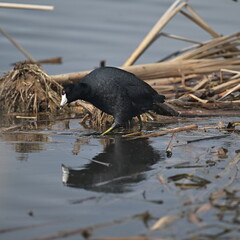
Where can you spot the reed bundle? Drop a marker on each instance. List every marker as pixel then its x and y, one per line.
pixel 27 88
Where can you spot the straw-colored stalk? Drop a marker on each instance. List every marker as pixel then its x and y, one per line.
pixel 27 88
pixel 151 36
pixel 172 69
pixel 27 6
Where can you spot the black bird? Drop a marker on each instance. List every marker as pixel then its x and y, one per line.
pixel 115 92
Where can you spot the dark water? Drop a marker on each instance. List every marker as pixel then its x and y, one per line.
pixel 54 179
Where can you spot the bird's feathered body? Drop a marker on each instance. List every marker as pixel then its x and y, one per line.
pixel 120 93
pixel 115 92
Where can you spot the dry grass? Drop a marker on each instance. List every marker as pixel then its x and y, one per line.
pixel 27 88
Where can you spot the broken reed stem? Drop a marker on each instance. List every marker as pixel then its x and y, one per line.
pixel 27 6
pixel 231 71
pixel 89 229
pixel 205 80
pixel 215 45
pixel 224 86
pixel 175 54
pixel 178 38
pixel 69 77
pixel 199 21
pixel 197 98
pixel 160 133
pixel 170 145
pixel 55 60
pixel 151 36
pixel 234 89
pixel 20 48
pixel 187 64
pixel 165 70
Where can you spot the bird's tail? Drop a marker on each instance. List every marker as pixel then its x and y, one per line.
pixel 165 109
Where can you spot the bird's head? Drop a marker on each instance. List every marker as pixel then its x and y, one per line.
pixel 73 92
pixel 67 95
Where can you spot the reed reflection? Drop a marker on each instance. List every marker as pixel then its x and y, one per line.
pixel 25 143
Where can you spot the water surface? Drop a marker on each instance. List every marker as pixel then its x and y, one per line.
pixel 53 179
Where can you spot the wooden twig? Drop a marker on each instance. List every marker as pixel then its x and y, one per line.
pixel 26 6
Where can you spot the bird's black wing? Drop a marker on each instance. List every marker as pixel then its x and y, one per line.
pixel 140 93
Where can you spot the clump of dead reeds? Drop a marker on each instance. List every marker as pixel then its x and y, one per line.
pixel 27 88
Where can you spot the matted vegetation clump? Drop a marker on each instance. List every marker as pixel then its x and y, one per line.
pixel 27 88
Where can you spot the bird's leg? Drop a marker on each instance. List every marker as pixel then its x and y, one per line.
pixel 114 125
pixel 140 123
pixel 136 133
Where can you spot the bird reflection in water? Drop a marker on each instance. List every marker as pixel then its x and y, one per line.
pixel 127 163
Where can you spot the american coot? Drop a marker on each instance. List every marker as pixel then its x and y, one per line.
pixel 115 92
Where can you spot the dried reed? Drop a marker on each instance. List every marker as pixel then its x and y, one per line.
pixel 27 88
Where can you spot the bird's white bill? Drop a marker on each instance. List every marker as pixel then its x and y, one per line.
pixel 64 100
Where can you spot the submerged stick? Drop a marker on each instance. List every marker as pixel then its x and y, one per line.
pixel 160 133
pixel 208 138
pixel 86 231
pixel 170 146
pixel 17 126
